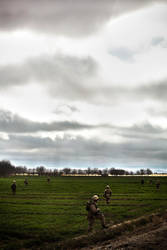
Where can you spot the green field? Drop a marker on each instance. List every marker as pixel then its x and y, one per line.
pixel 52 212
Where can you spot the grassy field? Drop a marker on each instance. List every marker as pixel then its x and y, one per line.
pixel 52 212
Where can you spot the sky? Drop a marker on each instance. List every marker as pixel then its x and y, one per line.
pixel 84 83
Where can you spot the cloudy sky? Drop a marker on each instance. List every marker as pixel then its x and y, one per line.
pixel 84 83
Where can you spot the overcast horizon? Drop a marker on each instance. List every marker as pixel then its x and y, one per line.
pixel 84 83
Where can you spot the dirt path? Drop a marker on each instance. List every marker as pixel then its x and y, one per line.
pixel 150 236
pixel 146 232
pixel 154 238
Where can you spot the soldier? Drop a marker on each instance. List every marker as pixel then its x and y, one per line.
pixel 151 182
pixel 107 194
pixel 48 179
pixel 158 184
pixel 13 187
pixel 25 182
pixel 142 181
pixel 94 213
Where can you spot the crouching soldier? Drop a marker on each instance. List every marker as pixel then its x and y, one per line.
pixel 107 194
pixel 94 213
pixel 13 187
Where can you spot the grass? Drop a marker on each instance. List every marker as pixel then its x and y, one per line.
pixel 53 212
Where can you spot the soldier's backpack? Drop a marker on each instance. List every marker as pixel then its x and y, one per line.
pixel 88 203
pixel 13 186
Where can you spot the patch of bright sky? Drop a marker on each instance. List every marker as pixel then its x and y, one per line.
pixel 29 101
pixel 32 102
pixel 4 136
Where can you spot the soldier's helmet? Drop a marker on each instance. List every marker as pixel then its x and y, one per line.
pixel 107 186
pixel 95 197
pixel 14 181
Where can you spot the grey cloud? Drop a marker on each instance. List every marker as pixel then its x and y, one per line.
pixel 156 91
pixel 72 78
pixel 12 123
pixel 11 75
pixel 70 17
pixel 64 75
pixel 85 151
pixel 140 132
pixel 146 128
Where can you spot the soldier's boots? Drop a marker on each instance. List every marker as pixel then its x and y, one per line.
pixel 90 230
pixel 104 226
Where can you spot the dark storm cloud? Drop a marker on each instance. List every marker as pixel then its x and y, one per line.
pixel 140 132
pixel 146 151
pixel 12 123
pixel 70 17
pixel 62 75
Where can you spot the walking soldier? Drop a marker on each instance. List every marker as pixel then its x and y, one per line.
pixel 13 187
pixel 94 213
pixel 107 194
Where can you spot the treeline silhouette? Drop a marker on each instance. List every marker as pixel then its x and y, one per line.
pixel 7 169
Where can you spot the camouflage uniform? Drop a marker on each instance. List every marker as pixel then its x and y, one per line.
pixel 13 187
pixel 107 194
pixel 158 184
pixel 95 213
pixel 25 182
pixel 142 181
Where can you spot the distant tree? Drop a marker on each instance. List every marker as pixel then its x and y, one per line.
pixel 61 172
pixel 80 171
pixel 121 172
pixel 148 171
pixel 6 168
pixel 74 171
pixel 142 171
pixel 40 170
pixel 67 170
pixel 20 170
pixel 55 172
pixel 88 171
pixel 95 171
pixel 105 172
pixel 112 171
pixel 99 172
pixel 48 172
pixel 33 171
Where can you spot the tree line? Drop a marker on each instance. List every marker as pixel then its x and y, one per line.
pixel 7 169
